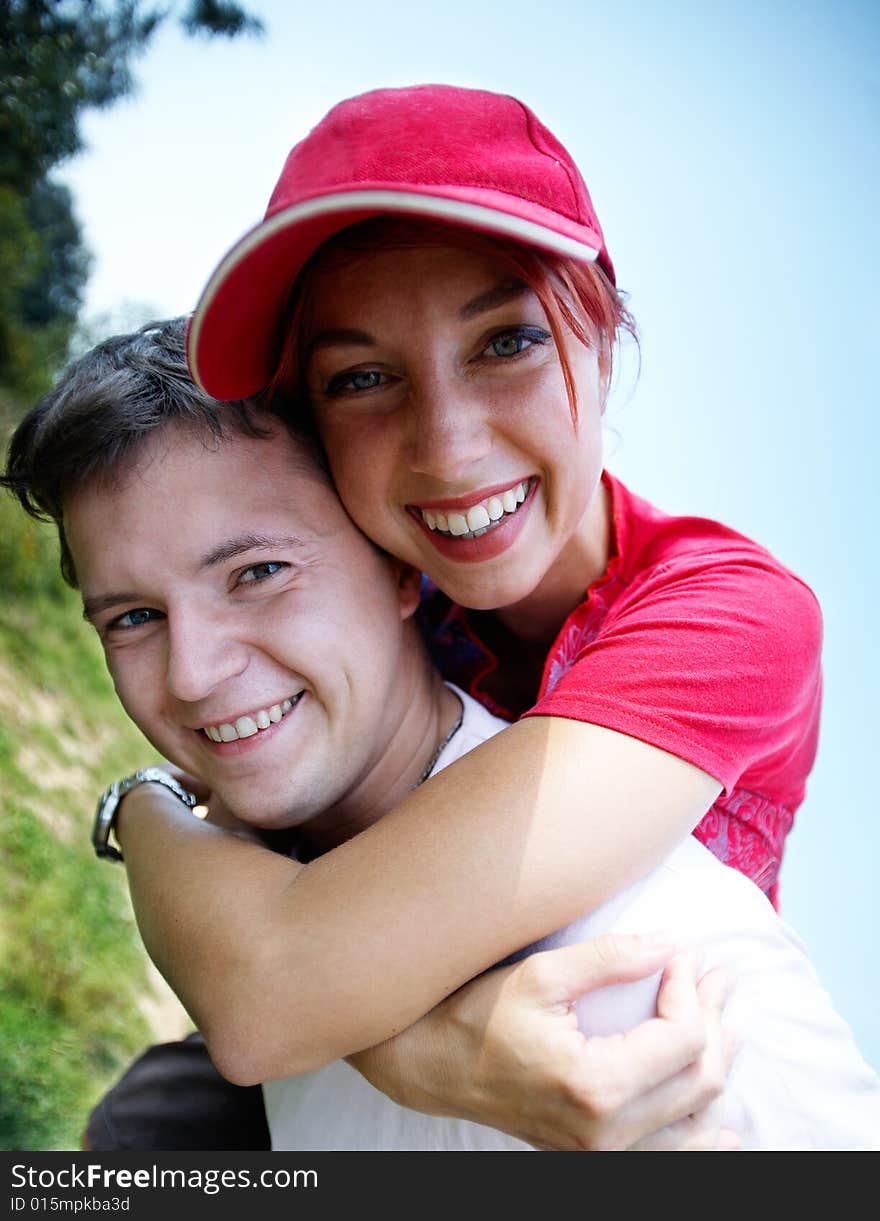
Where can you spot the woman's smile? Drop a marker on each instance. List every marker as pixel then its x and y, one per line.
pixel 439 395
pixel 477 527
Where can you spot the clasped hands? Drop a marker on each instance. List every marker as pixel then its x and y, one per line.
pixel 505 1049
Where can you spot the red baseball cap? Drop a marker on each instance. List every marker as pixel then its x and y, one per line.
pixel 465 156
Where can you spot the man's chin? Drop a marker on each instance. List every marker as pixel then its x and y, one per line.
pixel 266 819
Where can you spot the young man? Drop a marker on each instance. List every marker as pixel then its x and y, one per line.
pixel 81 458
pixel 265 646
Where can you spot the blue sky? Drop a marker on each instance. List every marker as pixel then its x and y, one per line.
pixel 731 151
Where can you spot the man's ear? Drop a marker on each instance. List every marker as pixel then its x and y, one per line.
pixel 409 588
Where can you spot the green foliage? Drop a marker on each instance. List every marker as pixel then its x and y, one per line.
pixel 57 275
pixel 43 269
pixel 69 982
pixel 29 564
pixel 219 17
pixel 72 970
pixel 57 58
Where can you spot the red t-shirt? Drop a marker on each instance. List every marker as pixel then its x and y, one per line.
pixel 696 640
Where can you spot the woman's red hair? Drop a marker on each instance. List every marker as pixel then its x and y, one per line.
pixel 576 297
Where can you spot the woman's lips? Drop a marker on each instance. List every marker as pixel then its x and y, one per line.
pixel 462 503
pixel 493 534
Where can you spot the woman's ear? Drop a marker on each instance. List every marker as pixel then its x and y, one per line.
pixel 409 588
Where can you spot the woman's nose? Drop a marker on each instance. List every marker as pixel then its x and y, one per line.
pixel 448 431
pixel 201 656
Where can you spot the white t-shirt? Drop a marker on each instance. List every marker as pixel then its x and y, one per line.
pixel 799 1081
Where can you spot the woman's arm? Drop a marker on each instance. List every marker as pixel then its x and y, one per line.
pixel 286 967
pixel 505 1050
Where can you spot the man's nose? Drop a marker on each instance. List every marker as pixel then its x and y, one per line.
pixel 201 656
pixel 448 430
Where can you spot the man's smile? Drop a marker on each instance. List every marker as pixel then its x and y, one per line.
pixel 250 723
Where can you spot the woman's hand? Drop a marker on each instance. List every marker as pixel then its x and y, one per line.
pixel 505 1050
pixel 518 838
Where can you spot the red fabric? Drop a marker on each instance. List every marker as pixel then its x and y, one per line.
pixel 465 144
pixel 697 641
pixel 412 151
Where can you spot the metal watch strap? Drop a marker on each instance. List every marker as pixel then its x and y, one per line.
pixel 108 805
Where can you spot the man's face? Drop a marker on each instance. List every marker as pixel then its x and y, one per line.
pixel 253 634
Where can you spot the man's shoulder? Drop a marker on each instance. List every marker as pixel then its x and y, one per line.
pixel 477 726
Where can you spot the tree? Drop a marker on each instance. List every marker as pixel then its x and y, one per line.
pixel 58 58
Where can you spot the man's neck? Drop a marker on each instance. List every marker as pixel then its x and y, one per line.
pixel 423 720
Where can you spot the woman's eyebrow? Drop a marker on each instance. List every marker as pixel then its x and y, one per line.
pixel 339 336
pixel 498 294
pixel 491 298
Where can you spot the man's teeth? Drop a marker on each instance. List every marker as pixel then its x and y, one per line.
pixel 480 517
pixel 247 726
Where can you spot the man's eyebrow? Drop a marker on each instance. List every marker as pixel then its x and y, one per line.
pixel 102 602
pixel 498 294
pixel 218 555
pixel 248 542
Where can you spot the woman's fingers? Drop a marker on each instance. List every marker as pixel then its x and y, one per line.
pixel 685 993
pixel 560 976
pixel 698 1133
pixel 653 1087
pixel 514 1057
pixel 714 988
pixel 664 1048
pixel 684 1110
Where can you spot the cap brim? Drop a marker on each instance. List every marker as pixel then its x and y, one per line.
pixel 235 333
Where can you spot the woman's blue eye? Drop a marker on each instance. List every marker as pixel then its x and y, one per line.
pixel 511 343
pixel 260 572
pixel 508 345
pixel 367 379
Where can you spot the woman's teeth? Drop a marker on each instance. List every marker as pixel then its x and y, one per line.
pixel 480 517
pixel 247 726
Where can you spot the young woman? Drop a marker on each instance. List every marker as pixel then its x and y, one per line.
pixel 432 278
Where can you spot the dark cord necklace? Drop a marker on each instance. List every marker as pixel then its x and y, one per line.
pixel 440 749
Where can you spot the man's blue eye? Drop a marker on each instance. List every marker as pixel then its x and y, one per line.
pixel 135 618
pixel 260 572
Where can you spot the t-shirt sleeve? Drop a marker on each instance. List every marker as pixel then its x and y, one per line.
pixel 715 659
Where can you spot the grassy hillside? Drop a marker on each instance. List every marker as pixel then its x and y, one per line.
pixel 77 997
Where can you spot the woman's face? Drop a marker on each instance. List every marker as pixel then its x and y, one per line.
pixel 439 396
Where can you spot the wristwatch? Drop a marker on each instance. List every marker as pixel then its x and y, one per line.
pixel 108 806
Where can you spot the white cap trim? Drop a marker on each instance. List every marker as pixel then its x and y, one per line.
pixel 408 202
